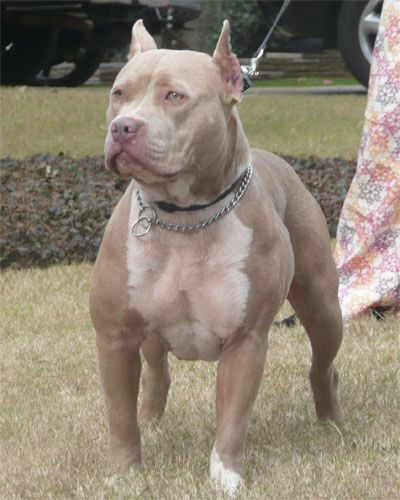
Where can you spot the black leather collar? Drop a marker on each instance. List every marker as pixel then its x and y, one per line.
pixel 171 207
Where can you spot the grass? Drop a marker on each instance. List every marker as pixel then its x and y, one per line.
pixel 53 428
pixel 52 421
pixel 73 121
pixel 292 81
pixel 305 81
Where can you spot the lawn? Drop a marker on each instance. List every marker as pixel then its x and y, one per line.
pixel 306 81
pixel 52 421
pixel 53 427
pixel 73 121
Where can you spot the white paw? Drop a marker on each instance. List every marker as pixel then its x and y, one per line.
pixel 228 479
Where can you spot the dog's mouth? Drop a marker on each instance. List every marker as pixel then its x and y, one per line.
pixel 127 164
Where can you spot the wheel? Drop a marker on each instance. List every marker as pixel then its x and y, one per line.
pixel 357 29
pixel 84 63
pixel 19 64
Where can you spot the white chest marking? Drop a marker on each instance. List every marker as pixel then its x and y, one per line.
pixel 228 479
pixel 191 289
pixel 181 187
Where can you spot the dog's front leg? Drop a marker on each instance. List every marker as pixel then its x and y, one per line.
pixel 120 367
pixel 240 369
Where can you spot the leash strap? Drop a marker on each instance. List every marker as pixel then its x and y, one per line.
pixel 251 70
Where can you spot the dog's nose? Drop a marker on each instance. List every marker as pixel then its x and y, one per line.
pixel 123 129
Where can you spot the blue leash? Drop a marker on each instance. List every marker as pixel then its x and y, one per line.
pixel 249 71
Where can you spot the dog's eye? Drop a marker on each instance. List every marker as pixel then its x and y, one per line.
pixel 117 92
pixel 174 96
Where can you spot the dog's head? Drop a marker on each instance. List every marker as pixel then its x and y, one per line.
pixel 170 111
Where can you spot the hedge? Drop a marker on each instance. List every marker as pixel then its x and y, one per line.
pixel 54 208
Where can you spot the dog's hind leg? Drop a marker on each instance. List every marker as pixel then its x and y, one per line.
pixel 316 304
pixel 314 294
pixel 155 381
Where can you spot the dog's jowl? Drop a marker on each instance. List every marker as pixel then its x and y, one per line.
pixel 208 241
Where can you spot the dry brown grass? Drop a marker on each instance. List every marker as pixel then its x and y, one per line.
pixel 53 429
pixel 73 121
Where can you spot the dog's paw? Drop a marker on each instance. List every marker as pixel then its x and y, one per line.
pixel 122 456
pixel 227 479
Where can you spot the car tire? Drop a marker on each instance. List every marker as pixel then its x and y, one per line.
pixel 82 69
pixel 19 65
pixel 350 40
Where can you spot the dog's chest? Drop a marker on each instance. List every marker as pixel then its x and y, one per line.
pixel 191 289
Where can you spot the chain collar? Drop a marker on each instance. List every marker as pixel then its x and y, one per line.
pixel 147 217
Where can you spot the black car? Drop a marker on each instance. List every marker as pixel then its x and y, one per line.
pixel 349 25
pixel 37 35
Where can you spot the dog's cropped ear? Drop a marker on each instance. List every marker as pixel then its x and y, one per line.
pixel 228 64
pixel 141 39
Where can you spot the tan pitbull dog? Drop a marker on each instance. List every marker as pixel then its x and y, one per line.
pixel 208 293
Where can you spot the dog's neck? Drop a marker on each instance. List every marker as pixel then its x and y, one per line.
pixel 203 184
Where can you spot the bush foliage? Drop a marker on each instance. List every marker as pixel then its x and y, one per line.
pixel 54 208
pixel 248 26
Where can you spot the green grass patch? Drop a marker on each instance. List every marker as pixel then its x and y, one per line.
pixel 305 81
pixel 73 121
pixel 305 125
pixel 53 426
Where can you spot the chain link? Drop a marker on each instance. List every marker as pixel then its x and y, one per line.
pixel 143 223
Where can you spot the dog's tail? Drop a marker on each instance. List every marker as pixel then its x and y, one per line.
pixel 289 322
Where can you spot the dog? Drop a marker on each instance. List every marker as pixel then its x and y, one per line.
pixel 199 255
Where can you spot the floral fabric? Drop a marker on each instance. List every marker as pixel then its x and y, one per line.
pixel 368 239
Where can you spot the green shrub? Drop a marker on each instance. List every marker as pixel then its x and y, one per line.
pixel 328 180
pixel 54 208
pixel 248 27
